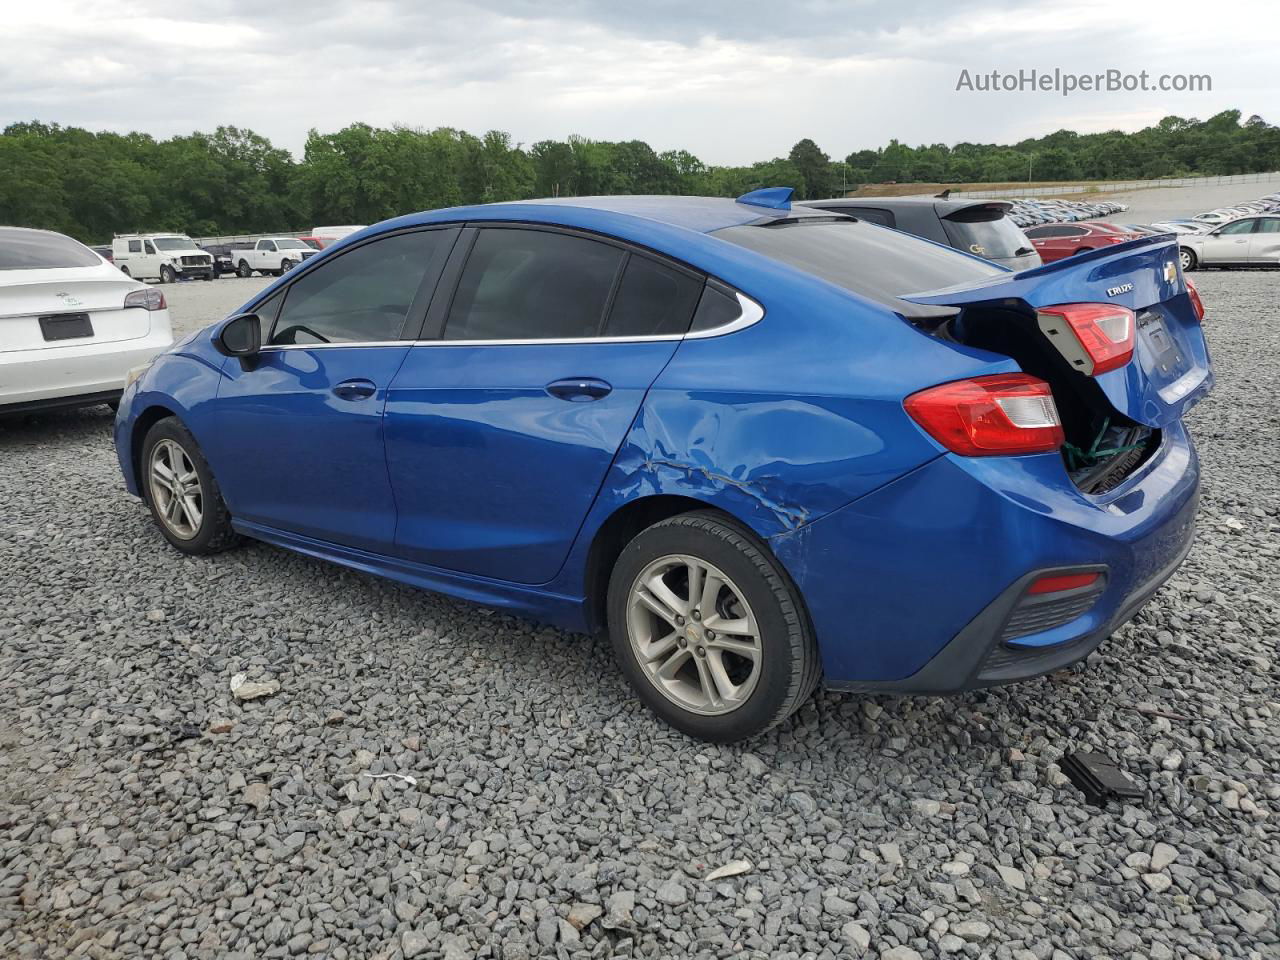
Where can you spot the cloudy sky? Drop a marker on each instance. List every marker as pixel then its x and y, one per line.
pixel 731 80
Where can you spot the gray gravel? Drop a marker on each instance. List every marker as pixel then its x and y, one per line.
pixel 195 303
pixel 434 780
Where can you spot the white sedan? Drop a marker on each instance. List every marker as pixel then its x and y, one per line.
pixel 1247 242
pixel 72 326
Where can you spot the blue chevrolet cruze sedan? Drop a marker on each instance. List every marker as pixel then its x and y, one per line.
pixel 761 446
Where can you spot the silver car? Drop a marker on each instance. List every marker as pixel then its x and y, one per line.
pixel 1247 242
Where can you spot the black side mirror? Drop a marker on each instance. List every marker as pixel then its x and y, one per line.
pixel 239 336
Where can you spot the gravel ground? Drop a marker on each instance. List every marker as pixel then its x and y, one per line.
pixel 431 779
pixel 195 303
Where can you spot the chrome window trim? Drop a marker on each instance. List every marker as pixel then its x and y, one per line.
pixel 752 313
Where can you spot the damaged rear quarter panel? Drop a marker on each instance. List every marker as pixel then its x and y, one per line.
pixel 785 421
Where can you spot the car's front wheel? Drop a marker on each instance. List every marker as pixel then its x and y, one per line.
pixel 709 629
pixel 167 275
pixel 1188 259
pixel 180 489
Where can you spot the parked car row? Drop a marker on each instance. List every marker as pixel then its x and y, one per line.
pixel 1029 212
pixel 1213 218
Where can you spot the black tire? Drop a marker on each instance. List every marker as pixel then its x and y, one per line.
pixel 285 266
pixel 167 275
pixel 789 664
pixel 1188 258
pixel 243 270
pixel 214 533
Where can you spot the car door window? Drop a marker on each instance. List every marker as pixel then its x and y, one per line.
pixel 1240 226
pixel 135 246
pixel 532 285
pixel 1268 226
pixel 653 300
pixel 150 247
pixel 364 295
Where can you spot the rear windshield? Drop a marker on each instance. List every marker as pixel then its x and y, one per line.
pixel 874 262
pixel 991 238
pixel 37 250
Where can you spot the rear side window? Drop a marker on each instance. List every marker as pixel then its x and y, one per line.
pixel 37 250
pixel 135 246
pixel 652 300
pixel 362 296
pixel 533 285
pixel 877 264
pixel 1268 226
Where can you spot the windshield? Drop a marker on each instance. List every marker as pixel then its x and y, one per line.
pixel 874 262
pixel 175 243
pixel 37 250
pixel 993 239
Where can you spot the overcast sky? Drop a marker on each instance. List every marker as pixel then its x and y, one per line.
pixel 733 81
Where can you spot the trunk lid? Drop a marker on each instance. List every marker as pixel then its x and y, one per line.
pixel 1169 371
pixel 99 296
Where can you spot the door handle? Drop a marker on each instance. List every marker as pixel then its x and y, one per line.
pixel 579 389
pixel 355 389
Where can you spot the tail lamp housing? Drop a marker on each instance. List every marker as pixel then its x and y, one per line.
pixel 148 299
pixel 1094 337
pixel 1194 296
pixel 1001 414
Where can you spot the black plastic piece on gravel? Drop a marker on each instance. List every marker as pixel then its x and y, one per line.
pixel 1099 779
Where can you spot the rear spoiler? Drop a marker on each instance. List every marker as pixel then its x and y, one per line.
pixel 1015 286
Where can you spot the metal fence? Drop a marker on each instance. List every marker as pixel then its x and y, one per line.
pixel 1114 186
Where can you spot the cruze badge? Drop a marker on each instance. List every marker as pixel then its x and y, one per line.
pixel 1116 291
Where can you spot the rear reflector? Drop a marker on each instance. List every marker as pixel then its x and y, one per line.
pixel 1094 337
pixel 1057 583
pixel 997 415
pixel 1196 302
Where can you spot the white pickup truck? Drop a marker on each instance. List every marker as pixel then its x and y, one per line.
pixel 273 255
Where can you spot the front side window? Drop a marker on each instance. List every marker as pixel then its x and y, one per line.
pixel 362 296
pixel 532 285
pixel 1240 226
pixel 149 247
pixel 652 300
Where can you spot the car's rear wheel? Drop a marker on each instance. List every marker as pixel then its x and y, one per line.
pixel 243 269
pixel 180 490
pixel 1188 259
pixel 709 630
pixel 125 271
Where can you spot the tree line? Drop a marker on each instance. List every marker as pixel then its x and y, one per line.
pixel 92 185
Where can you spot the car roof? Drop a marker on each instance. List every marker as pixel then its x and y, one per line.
pixel 697 214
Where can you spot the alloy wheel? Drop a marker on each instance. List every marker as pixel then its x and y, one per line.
pixel 694 635
pixel 176 490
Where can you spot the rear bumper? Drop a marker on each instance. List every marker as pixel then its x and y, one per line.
pixel 76 374
pixel 910 589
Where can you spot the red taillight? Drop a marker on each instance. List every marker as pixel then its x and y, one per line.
pixel 1103 332
pixel 148 299
pixel 1064 581
pixel 1196 302
pixel 1000 414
